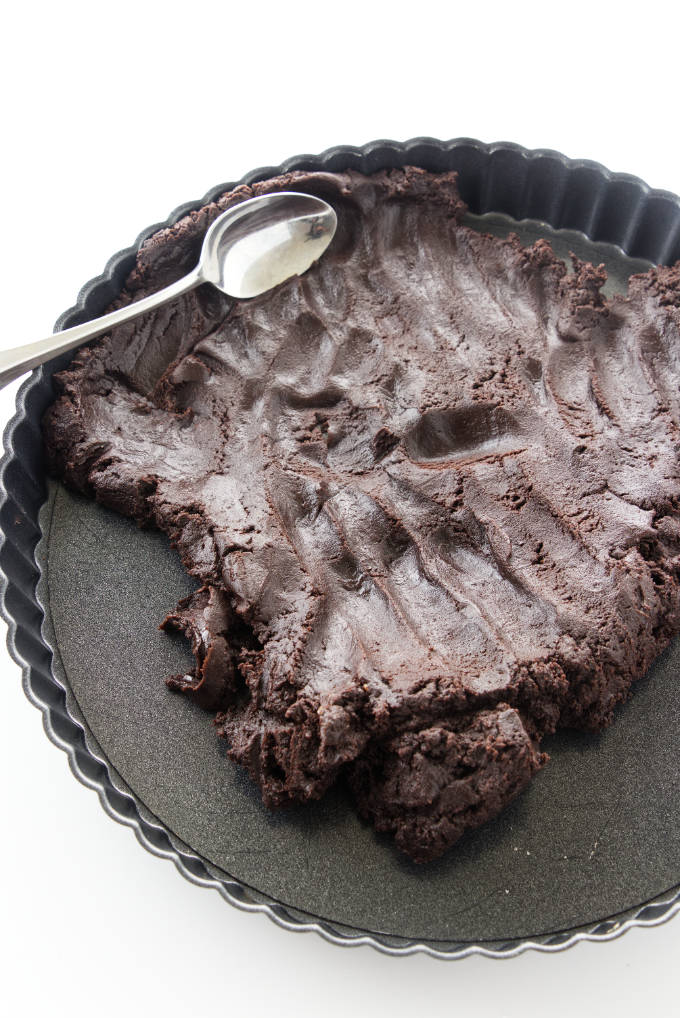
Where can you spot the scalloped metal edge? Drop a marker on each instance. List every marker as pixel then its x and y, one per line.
pixel 21 578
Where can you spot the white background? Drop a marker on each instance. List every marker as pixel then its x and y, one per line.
pixel 111 116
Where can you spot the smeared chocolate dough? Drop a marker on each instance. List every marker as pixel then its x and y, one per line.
pixel 431 492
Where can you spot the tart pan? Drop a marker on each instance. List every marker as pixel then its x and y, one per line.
pixel 591 848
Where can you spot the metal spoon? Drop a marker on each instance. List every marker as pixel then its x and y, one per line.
pixel 249 249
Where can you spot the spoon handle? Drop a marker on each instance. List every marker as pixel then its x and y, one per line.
pixel 19 359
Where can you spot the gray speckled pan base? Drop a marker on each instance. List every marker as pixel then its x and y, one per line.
pixel 595 834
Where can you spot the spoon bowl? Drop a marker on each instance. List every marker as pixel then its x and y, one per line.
pixel 260 243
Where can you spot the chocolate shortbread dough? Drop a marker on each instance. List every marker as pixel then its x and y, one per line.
pixel 430 492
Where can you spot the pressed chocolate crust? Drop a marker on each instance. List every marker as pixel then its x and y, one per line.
pixel 430 491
